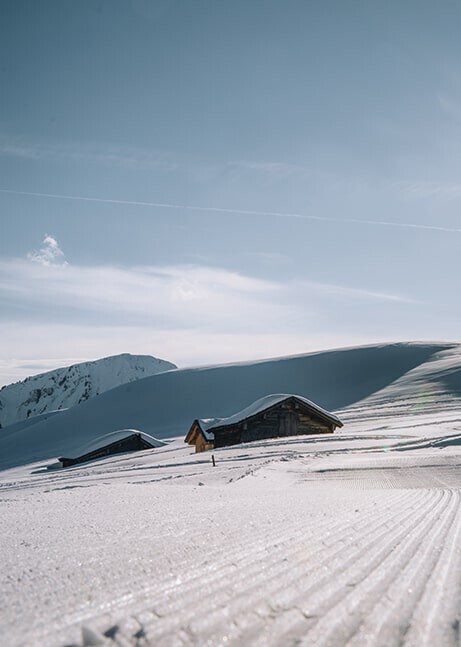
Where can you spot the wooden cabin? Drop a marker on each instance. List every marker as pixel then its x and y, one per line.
pixel 117 442
pixel 272 416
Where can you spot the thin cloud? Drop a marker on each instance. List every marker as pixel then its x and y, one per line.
pixel 183 296
pixel 279 170
pixel 109 155
pixel 238 212
pixel 431 189
pixel 344 291
pixel 187 313
pixel 271 258
pixel 156 296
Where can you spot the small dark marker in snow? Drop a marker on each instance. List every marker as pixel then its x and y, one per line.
pixel 200 483
pixel 110 633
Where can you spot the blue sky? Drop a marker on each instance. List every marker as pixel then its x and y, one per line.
pixel 336 124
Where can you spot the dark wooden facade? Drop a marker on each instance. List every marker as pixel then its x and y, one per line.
pixel 290 417
pixel 135 442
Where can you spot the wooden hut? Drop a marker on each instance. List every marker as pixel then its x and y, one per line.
pixel 116 442
pixel 272 416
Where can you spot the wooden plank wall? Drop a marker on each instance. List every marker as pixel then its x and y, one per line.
pixel 268 426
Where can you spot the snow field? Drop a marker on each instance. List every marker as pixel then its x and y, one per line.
pixel 348 539
pixel 276 547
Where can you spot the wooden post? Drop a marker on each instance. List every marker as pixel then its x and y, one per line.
pixel 212 458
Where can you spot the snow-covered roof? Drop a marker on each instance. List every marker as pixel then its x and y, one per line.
pixel 113 437
pixel 208 425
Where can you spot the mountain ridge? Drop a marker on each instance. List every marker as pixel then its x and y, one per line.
pixel 68 386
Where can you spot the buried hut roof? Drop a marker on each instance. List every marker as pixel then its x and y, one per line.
pixel 113 437
pixel 209 425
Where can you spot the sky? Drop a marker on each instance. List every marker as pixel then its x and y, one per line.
pixel 217 181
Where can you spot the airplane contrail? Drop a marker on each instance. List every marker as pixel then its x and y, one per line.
pixel 240 212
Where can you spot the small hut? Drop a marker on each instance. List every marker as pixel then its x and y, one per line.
pixel 116 442
pixel 272 416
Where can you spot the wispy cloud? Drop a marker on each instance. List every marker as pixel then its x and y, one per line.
pixel 176 296
pixel 431 189
pixel 163 296
pixel 186 313
pixel 241 212
pixel 183 294
pixel 279 170
pixel 271 258
pixel 92 153
pixel 346 292
pixel 49 254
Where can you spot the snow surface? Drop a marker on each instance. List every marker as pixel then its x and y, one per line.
pixel 351 538
pixel 113 437
pixel 68 386
pixel 208 424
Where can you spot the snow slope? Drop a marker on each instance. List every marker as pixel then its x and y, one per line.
pixel 66 387
pixel 412 375
pixel 354 539
pixel 351 538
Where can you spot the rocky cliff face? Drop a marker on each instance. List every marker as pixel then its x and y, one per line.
pixel 66 387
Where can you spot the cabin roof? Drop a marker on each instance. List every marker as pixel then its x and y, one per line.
pixel 113 437
pixel 209 425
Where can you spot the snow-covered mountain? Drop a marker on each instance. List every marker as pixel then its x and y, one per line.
pixel 66 387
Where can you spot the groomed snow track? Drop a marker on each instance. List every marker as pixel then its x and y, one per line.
pixel 389 577
pixel 300 547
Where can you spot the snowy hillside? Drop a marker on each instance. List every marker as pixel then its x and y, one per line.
pixel 351 538
pixel 66 387
pixel 407 376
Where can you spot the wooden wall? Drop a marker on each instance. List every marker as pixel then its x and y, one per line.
pixel 201 444
pixel 286 419
pixel 274 423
